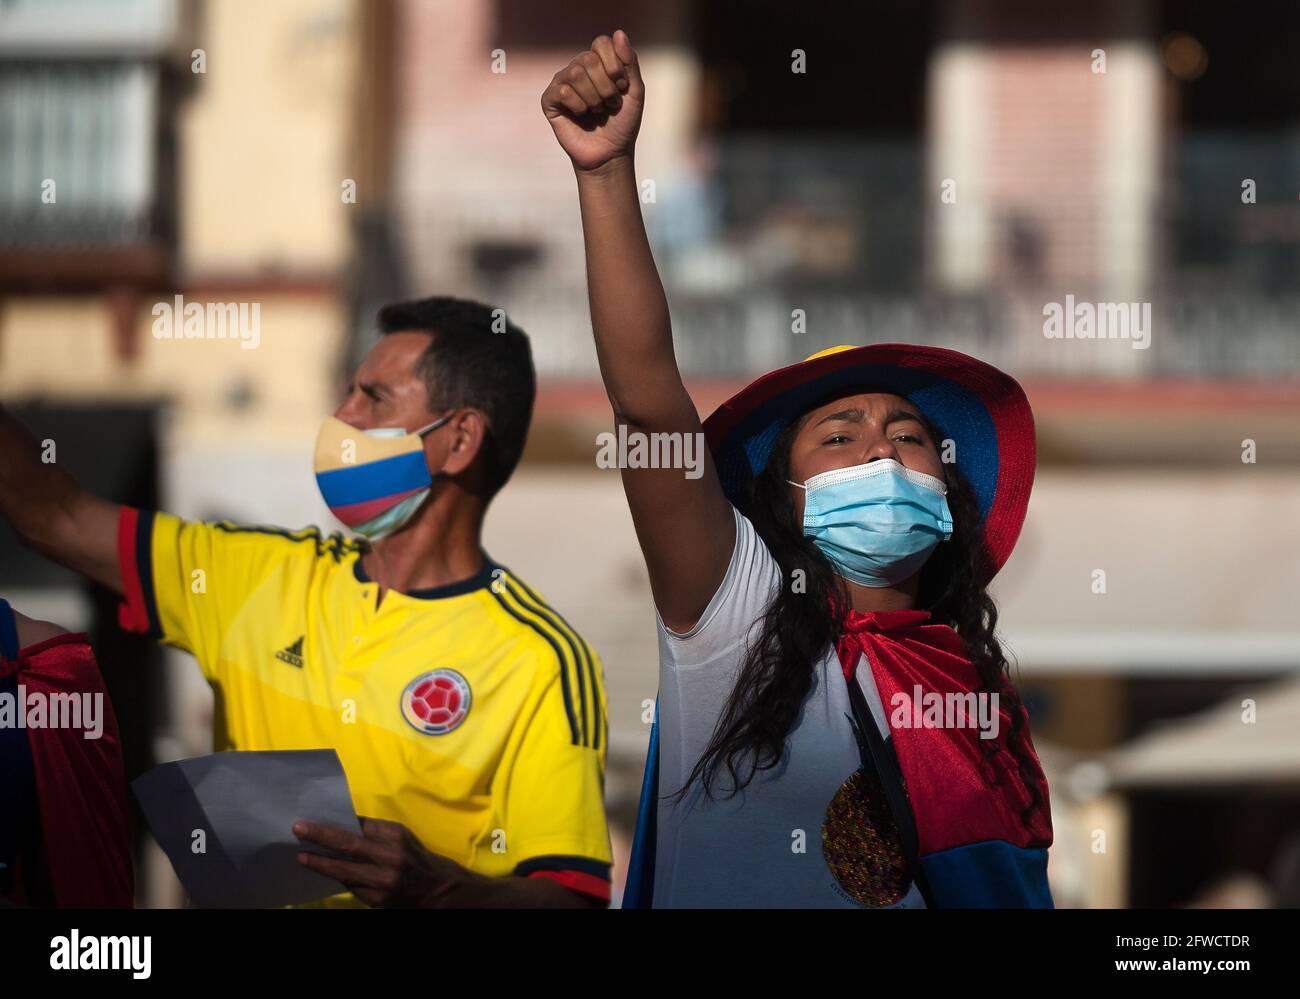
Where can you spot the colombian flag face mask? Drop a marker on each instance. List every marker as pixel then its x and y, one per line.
pixel 373 480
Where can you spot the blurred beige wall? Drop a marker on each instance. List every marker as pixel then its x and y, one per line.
pixel 265 140
pixel 265 143
pixel 63 348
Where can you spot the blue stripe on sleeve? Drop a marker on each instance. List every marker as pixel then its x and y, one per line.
pixel 144 566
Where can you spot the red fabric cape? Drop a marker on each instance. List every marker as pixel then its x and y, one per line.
pixel 958 795
pixel 80 784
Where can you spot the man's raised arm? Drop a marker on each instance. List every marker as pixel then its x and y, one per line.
pixel 51 513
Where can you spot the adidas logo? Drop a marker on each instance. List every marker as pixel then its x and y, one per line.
pixel 292 653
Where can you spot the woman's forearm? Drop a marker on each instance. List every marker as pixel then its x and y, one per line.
pixel 629 311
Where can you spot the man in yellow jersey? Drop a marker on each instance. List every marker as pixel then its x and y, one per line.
pixel 468 715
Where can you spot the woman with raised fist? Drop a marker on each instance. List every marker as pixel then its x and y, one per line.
pixel 836 725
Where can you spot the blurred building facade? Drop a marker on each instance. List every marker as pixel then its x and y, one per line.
pixel 931 172
pixel 153 150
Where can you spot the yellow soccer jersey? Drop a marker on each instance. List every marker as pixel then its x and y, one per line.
pixel 473 714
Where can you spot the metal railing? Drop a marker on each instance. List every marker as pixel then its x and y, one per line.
pixel 839 232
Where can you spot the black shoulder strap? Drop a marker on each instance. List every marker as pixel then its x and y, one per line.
pixel 878 756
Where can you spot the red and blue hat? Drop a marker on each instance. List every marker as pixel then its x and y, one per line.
pixel 981 409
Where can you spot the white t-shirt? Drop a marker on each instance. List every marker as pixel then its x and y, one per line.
pixel 763 847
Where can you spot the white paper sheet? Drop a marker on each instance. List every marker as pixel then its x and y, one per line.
pixel 245 805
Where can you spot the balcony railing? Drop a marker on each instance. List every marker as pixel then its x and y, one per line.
pixel 78 155
pixel 760 228
pixel 86 152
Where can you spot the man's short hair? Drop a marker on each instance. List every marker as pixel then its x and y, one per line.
pixel 476 358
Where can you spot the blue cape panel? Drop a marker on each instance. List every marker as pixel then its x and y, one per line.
pixel 993 874
pixel 640 888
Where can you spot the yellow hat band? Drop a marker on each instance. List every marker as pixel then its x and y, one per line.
pixel 829 350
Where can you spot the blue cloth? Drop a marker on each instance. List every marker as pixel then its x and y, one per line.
pixel 639 891
pixel 989 875
pixel 18 815
pixel 8 631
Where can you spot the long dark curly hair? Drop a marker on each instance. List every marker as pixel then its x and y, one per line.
pixel 777 673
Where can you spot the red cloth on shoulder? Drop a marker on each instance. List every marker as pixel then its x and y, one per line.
pixel 958 794
pixel 80 784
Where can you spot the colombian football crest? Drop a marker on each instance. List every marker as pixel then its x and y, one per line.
pixel 436 702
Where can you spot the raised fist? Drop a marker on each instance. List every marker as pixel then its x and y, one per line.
pixel 594 103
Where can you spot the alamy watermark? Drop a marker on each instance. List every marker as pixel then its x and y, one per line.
pixel 635 449
pixel 182 320
pixel 1098 321
pixel 102 953
pixel 60 709
pixel 951 710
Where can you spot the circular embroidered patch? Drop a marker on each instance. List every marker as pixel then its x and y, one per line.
pixel 436 702
pixel 861 843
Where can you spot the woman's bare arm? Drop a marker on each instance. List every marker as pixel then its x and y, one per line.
pixel 685 525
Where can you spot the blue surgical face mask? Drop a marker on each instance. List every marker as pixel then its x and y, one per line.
pixel 877 522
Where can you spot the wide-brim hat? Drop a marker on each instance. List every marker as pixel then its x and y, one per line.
pixel 981 409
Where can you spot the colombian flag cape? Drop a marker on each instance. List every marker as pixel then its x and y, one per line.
pixel 80 785
pixel 973 848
